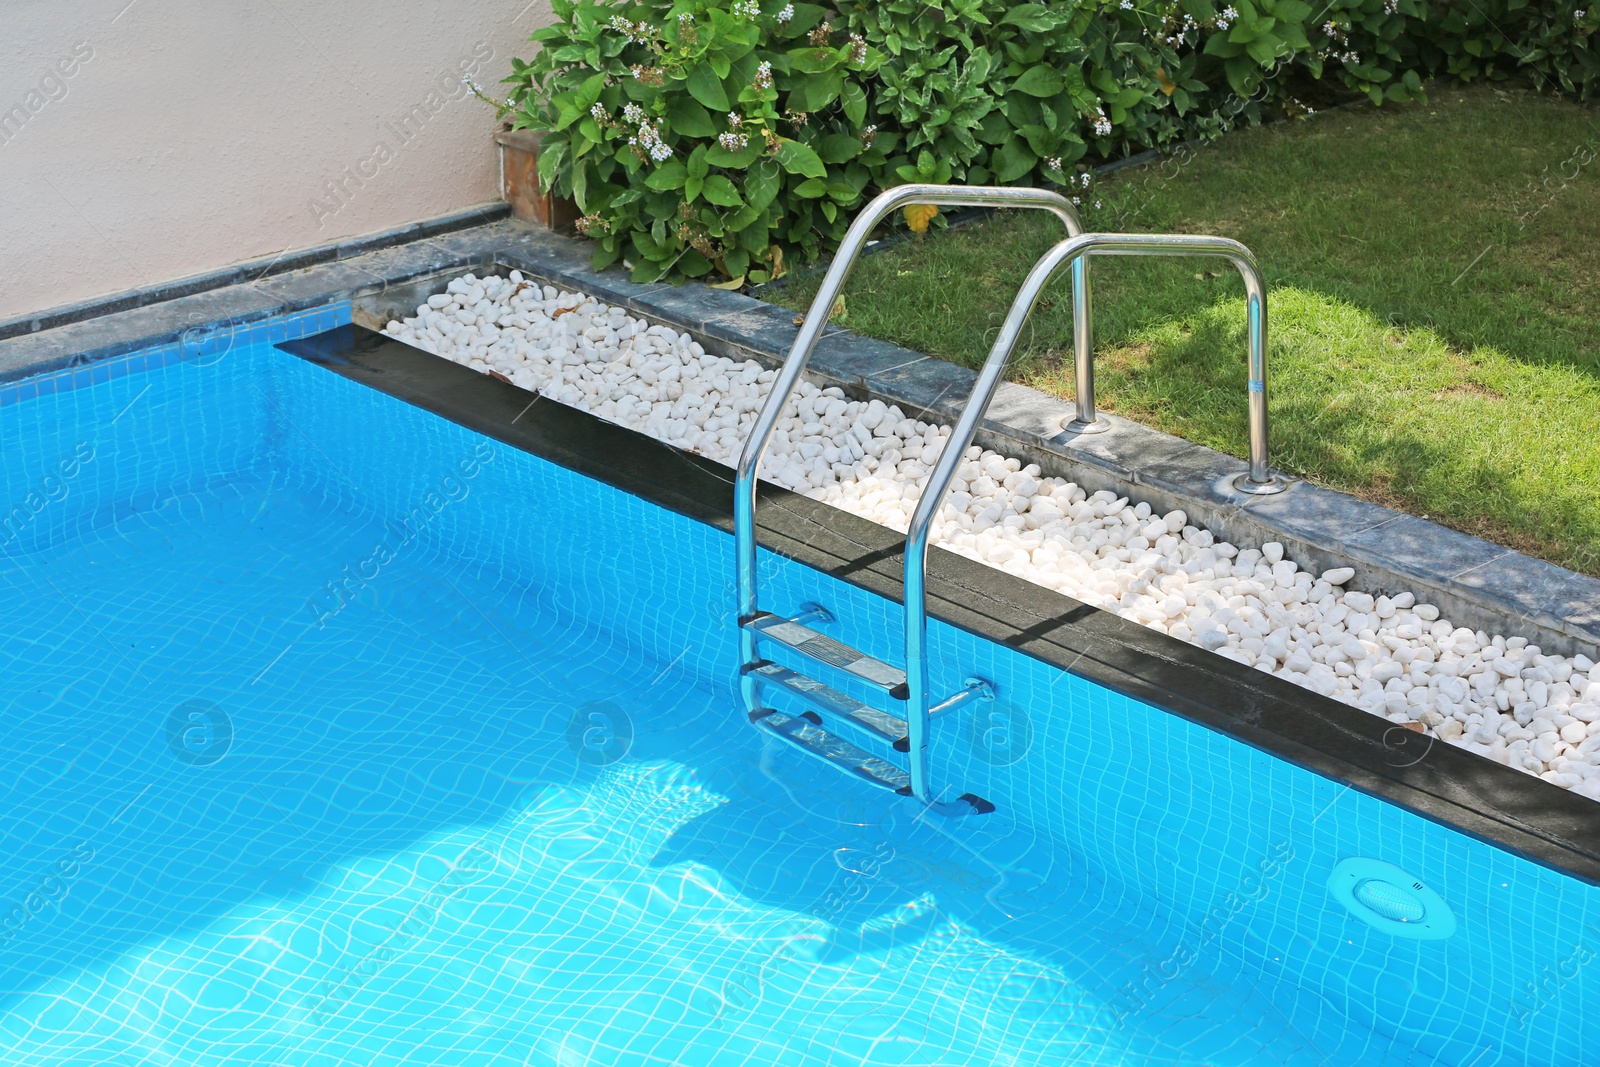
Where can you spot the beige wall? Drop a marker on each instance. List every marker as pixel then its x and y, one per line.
pixel 144 141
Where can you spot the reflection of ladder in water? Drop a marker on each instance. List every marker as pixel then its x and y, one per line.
pixel 832 722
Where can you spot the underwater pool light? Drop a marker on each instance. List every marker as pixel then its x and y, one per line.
pixel 1387 898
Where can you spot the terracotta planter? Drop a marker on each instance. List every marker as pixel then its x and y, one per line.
pixel 519 183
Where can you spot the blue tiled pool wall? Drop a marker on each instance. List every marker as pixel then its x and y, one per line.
pixel 1219 852
pixel 184 415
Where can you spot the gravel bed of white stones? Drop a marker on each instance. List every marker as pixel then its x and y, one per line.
pixel 1392 656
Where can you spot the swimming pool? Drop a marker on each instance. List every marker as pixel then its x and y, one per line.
pixel 339 731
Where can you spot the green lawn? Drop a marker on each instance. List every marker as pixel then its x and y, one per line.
pixel 1434 306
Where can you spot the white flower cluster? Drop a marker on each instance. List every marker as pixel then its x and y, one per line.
pixel 635 32
pixel 1186 27
pixel 1228 17
pixel 633 114
pixel 598 112
pixel 649 138
pixel 858 48
pixel 1337 34
pixel 1391 7
pixel 477 90
pixel 786 14
pixel 1102 125
pixel 763 79
pixel 1577 16
pixel 733 142
pixel 746 9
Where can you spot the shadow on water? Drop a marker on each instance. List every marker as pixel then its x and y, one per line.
pixel 843 874
pixel 871 872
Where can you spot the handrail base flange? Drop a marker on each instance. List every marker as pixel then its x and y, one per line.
pixel 1078 426
pixel 1276 484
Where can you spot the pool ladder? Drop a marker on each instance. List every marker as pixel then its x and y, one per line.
pixel 832 722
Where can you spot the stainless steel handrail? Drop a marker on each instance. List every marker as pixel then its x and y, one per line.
pixel 816 320
pixel 1260 479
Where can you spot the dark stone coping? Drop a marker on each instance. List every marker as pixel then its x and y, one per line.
pixel 1506 808
pixel 250 271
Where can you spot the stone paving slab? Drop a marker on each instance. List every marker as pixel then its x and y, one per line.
pixel 249 271
pixel 1474 582
pixel 94 339
pixel 315 287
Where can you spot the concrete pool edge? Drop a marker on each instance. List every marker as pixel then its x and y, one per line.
pixel 250 271
pixel 1453 787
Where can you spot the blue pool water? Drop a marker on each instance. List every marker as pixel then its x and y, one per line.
pixel 338 734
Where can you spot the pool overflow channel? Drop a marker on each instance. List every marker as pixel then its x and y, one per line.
pixel 906 724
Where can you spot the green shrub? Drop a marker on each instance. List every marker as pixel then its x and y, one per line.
pixel 1008 92
pixel 998 92
pixel 702 138
pixel 707 139
pixel 1547 42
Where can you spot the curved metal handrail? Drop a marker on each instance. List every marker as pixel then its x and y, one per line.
pixel 816 320
pixel 1260 479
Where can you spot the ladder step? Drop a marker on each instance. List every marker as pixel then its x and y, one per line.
pixel 824 649
pixel 830 701
pixel 833 750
